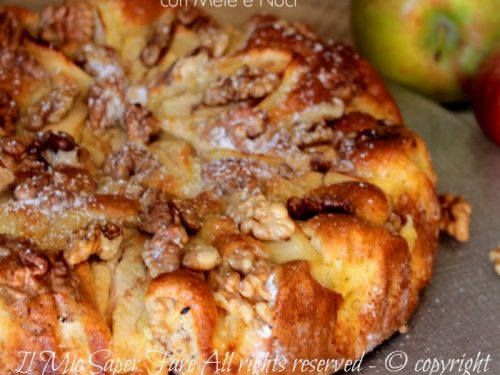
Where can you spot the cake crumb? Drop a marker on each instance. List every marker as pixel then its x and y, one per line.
pixel 495 259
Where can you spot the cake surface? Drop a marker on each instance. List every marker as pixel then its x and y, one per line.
pixel 179 195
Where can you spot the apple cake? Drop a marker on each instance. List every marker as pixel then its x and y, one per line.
pixel 178 195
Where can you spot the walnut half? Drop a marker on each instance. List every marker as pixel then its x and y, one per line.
pixel 201 257
pixel 266 220
pixel 71 22
pixel 455 216
pixel 52 108
pixel 162 254
pixel 141 125
pixel 102 239
pixel 307 207
pixel 248 83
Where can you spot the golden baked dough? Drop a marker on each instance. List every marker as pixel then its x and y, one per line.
pixel 174 191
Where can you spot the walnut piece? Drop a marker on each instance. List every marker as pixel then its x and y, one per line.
pixel 103 63
pixel 9 113
pixel 201 257
pixel 102 239
pixel 106 104
pixel 28 157
pixel 52 108
pixel 266 220
pixel 311 134
pixel 158 43
pixel 10 29
pixel 56 187
pixel 455 216
pixel 214 40
pixel 32 272
pixel 307 207
pixel 162 254
pixel 236 126
pixel 71 22
pixel 248 83
pixel 242 284
pixel 140 123
pixel 193 211
pixel 158 215
pixel 133 159
pixel 495 259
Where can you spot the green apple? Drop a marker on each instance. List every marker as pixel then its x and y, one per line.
pixel 433 46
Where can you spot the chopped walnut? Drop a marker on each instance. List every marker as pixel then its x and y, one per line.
pixel 158 215
pixel 264 312
pixel 52 108
pixel 71 22
pixel 141 125
pixel 32 272
pixel 311 134
pixel 201 257
pixel 50 166
pixel 102 239
pixel 17 68
pixel 247 122
pixel 495 259
pixel 22 156
pixel 455 216
pixel 267 221
pixel 235 127
pixel 102 63
pixel 158 43
pixel 189 212
pixel 35 261
pixel 9 113
pixel 307 207
pixel 241 284
pixel 57 149
pixel 193 211
pixel 241 260
pixel 133 159
pixel 12 146
pixel 61 185
pixel 214 40
pixel 106 104
pixel 55 141
pixel 162 254
pixel 225 176
pixel 248 83
pixel 10 29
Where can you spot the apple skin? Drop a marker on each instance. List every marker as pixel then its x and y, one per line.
pixel 432 46
pixel 486 97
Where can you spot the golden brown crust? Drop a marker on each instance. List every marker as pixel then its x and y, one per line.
pixel 308 329
pixel 262 191
pixel 46 307
pixel 191 297
pixel 376 300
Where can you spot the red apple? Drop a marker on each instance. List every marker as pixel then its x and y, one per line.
pixel 486 96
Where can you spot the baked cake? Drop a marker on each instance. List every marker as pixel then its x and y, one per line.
pixel 175 192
